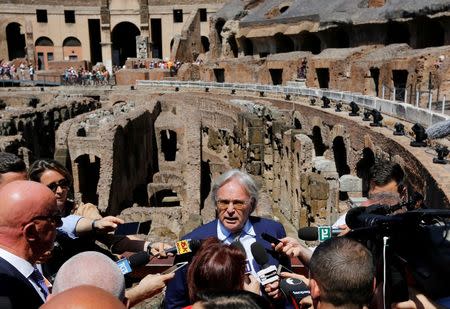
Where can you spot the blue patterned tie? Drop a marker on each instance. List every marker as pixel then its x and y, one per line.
pixel 37 278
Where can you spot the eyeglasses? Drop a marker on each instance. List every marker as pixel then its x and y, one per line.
pixel 55 219
pixel 63 183
pixel 237 204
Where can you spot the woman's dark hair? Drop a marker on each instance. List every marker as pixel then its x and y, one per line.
pixel 216 267
pixel 40 166
pixel 233 300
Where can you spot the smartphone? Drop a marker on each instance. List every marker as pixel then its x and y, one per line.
pixel 270 238
pixel 131 228
pixel 174 268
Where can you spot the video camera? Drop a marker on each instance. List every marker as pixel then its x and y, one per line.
pixel 414 242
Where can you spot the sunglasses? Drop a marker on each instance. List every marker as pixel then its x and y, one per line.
pixel 63 183
pixel 55 219
pixel 237 204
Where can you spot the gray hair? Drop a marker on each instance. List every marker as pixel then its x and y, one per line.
pixel 91 268
pixel 244 179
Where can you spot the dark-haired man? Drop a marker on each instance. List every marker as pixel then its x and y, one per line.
pixel 11 168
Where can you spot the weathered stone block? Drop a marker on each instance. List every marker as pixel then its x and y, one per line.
pixel 324 165
pixel 318 187
pixel 256 135
pixel 318 207
pixel 350 183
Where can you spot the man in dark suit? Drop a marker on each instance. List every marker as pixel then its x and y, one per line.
pixel 235 196
pixel 28 220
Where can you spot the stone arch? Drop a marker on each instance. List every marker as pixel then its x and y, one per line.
pixel 247 46
pixel 317 139
pixel 171 44
pixel 15 41
pixel 283 43
pixel 340 156
pixel 72 49
pixel 337 38
pixel 430 33
pixel 45 51
pixel 397 32
pixel 233 46
pixel 123 38
pixel 88 171
pixel 169 144
pixel 165 198
pixel 309 42
pixel 205 43
pixel 363 167
pixel 219 27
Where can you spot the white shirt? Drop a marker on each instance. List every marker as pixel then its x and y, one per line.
pixel 23 266
pixel 247 238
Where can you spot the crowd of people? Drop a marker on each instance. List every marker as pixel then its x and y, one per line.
pixel 84 77
pixel 226 270
pixel 8 70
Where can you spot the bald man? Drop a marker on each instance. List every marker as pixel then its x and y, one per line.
pixel 29 217
pixel 84 297
pixel 94 268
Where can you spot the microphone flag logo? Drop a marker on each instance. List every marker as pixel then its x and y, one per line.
pixel 324 233
pixel 183 247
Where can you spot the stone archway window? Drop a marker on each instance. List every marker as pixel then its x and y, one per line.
pixel 169 144
pixel 165 198
pixel 71 41
pixel 15 39
pixel 44 41
pixel 88 176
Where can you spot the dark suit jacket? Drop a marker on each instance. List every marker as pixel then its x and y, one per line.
pixel 16 290
pixel 177 292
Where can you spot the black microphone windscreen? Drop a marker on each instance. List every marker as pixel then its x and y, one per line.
pixel 194 245
pixel 259 253
pixel 309 233
pixel 139 259
pixel 352 218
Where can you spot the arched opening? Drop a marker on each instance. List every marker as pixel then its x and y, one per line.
pixel 363 167
pixel 297 124
pixel 247 47
pixel 233 45
pixel 340 156
pixel 397 33
pixel 205 182
pixel 309 42
pixel 72 49
pixel 171 44
pixel 219 26
pixel 284 9
pixel 164 198
pixel 317 140
pixel 44 52
pixel 169 144
pixel 283 43
pixel 430 33
pixel 123 39
pixel 205 43
pixel 337 38
pixel 88 167
pixel 15 40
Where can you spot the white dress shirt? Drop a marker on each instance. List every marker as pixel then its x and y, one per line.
pixel 23 266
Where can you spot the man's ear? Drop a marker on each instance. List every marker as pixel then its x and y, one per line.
pixel 30 232
pixel 314 289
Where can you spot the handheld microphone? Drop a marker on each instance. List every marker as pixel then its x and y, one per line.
pixel 139 259
pixel 439 130
pixel 321 233
pixel 185 246
pixel 294 289
pixel 358 218
pixel 268 273
pixel 270 238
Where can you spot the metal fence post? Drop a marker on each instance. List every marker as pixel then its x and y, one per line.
pixel 406 96
pixel 382 91
pixel 443 105
pixel 417 98
pixel 393 94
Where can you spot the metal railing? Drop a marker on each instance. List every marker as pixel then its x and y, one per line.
pixel 408 112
